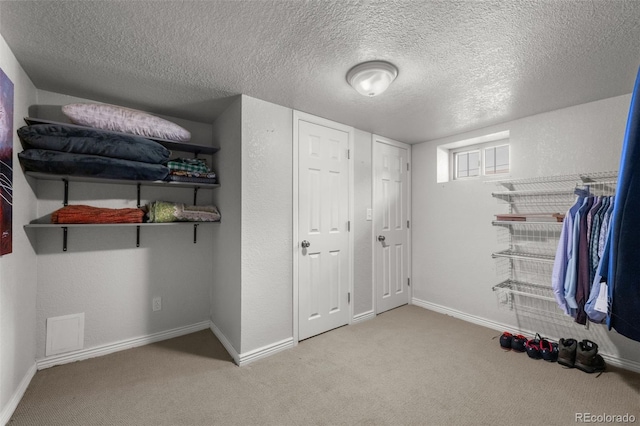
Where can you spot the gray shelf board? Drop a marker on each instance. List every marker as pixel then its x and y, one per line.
pixel 99 225
pixel 70 178
pixel 172 145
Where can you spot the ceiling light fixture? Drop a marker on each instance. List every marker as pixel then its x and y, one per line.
pixel 372 78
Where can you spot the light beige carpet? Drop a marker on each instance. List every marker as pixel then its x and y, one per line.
pixel 409 366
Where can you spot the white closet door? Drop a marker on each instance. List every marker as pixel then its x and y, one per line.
pixel 391 223
pixel 323 215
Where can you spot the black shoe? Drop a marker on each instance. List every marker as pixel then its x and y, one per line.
pixel 518 343
pixel 548 350
pixel 587 358
pixel 533 348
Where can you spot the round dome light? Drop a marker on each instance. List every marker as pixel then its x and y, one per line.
pixel 372 78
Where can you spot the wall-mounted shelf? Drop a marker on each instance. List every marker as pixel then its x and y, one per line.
pixel 38 224
pixel 526 223
pixel 65 228
pixel 66 179
pixel 511 254
pixel 171 145
pixel 535 291
pixel 87 179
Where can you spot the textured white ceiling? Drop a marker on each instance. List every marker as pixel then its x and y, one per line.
pixel 463 64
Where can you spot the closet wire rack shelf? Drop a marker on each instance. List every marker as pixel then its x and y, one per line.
pixel 531 228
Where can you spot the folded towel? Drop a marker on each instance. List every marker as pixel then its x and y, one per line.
pixel 89 214
pixel 188 165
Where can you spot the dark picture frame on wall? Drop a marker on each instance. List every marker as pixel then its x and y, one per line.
pixel 6 164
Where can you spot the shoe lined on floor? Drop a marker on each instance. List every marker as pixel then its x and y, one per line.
pixel 567 352
pixel 548 350
pixel 505 340
pixel 533 347
pixel 518 343
pixel 587 357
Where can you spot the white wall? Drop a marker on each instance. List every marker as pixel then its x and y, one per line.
pixel 452 234
pixel 18 281
pixel 105 276
pixel 267 223
pixel 226 279
pixel 363 237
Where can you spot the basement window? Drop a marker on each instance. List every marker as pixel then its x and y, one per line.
pixel 486 155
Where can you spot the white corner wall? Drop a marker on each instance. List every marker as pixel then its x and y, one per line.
pixel 225 297
pixel 267 224
pixel 363 228
pixel 452 234
pixel 18 280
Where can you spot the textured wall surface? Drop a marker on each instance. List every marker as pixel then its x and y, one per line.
pixel 226 279
pixel 267 223
pixel 452 234
pixel 463 65
pixel 18 280
pixel 363 228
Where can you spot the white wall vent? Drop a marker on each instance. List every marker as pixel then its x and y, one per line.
pixel 65 334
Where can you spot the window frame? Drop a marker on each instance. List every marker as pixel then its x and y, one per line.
pixel 481 148
pixel 454 156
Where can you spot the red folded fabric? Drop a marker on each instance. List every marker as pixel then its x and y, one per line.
pixel 89 214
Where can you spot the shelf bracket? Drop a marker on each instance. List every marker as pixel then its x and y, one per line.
pixel 195 233
pixel 65 201
pixel 139 184
pixel 138 235
pixel 64 237
pixel 195 195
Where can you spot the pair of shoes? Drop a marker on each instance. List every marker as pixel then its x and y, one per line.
pixel 540 347
pixel 582 355
pixel 516 342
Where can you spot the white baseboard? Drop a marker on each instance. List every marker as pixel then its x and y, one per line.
pixel 119 346
pixel 467 317
pixel 7 411
pixel 254 355
pixel 225 342
pixel 363 317
pixel 610 359
pixel 265 351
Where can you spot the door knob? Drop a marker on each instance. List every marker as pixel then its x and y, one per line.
pixel 381 238
pixel 305 244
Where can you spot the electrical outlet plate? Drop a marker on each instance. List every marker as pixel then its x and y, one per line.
pixel 156 303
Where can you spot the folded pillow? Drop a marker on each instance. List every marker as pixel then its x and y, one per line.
pixel 65 163
pixel 126 120
pixel 79 140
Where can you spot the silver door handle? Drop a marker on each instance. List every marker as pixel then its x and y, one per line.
pixel 381 238
pixel 305 244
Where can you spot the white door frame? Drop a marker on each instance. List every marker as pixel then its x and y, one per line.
pixel 374 140
pixel 298 116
